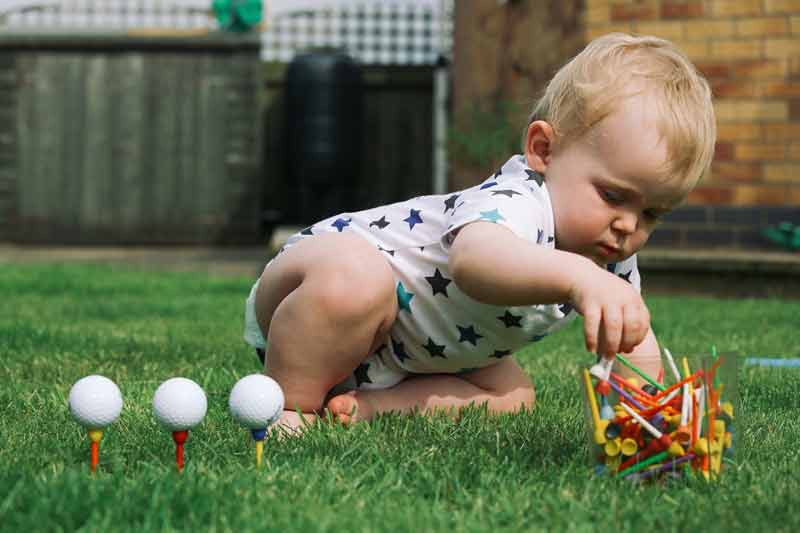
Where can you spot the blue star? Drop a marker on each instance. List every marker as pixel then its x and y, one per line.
pixel 413 218
pixel 403 297
pixel 488 184
pixel 539 236
pixel 492 216
pixel 341 223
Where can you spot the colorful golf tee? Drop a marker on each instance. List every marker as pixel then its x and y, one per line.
pixel 675 429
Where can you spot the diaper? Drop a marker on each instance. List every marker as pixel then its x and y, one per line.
pixel 252 332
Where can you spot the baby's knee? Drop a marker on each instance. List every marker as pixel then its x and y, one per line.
pixel 354 289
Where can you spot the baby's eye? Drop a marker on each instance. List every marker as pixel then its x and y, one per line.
pixel 652 214
pixel 611 196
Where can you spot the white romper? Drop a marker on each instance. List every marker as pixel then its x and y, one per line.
pixel 439 329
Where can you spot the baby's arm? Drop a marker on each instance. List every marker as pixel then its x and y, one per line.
pixel 492 265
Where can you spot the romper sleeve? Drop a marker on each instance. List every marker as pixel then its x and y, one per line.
pixel 628 271
pixel 511 204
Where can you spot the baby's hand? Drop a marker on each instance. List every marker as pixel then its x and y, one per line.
pixel 615 318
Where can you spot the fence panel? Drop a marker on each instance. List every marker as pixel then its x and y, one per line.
pixel 121 140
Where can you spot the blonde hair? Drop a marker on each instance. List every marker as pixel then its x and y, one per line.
pixel 616 66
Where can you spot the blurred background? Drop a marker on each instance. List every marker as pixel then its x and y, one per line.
pixel 148 122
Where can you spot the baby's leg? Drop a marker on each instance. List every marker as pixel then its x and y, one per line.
pixel 503 387
pixel 324 305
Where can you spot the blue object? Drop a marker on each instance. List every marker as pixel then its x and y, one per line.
pixel 766 361
pixel 258 434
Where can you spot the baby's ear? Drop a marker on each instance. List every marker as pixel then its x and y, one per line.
pixel 538 143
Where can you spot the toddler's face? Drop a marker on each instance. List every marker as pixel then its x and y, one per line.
pixel 608 188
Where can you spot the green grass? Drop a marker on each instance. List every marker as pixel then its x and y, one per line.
pixel 523 472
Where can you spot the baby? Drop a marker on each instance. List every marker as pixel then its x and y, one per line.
pixel 418 306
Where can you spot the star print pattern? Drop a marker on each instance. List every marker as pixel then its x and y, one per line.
pixel 435 350
pixel 413 219
pixel 438 283
pixel 361 374
pixel 450 203
pixel 492 216
pixel 403 297
pixel 380 223
pixel 468 334
pixel 399 350
pixel 506 192
pixel 438 327
pixel 341 223
pixel 511 321
pixel 535 176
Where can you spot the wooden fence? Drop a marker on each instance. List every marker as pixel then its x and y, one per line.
pixel 126 140
pixel 108 139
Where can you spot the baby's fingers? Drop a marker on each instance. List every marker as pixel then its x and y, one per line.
pixel 611 331
pixel 636 326
pixel 591 325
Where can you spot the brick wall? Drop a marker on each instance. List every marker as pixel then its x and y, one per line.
pixel 750 52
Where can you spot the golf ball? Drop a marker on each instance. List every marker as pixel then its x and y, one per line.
pixel 256 401
pixel 95 401
pixel 179 404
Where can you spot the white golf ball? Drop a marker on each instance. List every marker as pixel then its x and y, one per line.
pixel 179 404
pixel 95 401
pixel 256 401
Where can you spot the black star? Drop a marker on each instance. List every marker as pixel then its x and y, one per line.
pixel 399 350
pixel 435 350
pixel 499 354
pixel 382 249
pixel 535 176
pixel 611 267
pixel 361 374
pixel 381 223
pixel 421 248
pixel 626 277
pixel 307 231
pixel 565 308
pixel 499 171
pixel 438 283
pixel 511 321
pixel 506 192
pixel 379 352
pixel 469 334
pixel 450 203
pixel 488 184
pixel 550 238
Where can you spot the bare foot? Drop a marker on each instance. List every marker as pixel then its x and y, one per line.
pixel 350 407
pixel 290 423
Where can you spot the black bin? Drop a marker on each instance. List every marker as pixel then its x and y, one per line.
pixel 324 125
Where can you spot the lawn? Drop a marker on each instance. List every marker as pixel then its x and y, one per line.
pixel 523 472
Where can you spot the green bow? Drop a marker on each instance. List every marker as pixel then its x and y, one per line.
pixel 237 15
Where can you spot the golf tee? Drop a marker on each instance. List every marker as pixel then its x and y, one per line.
pixel 179 437
pixel 95 435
